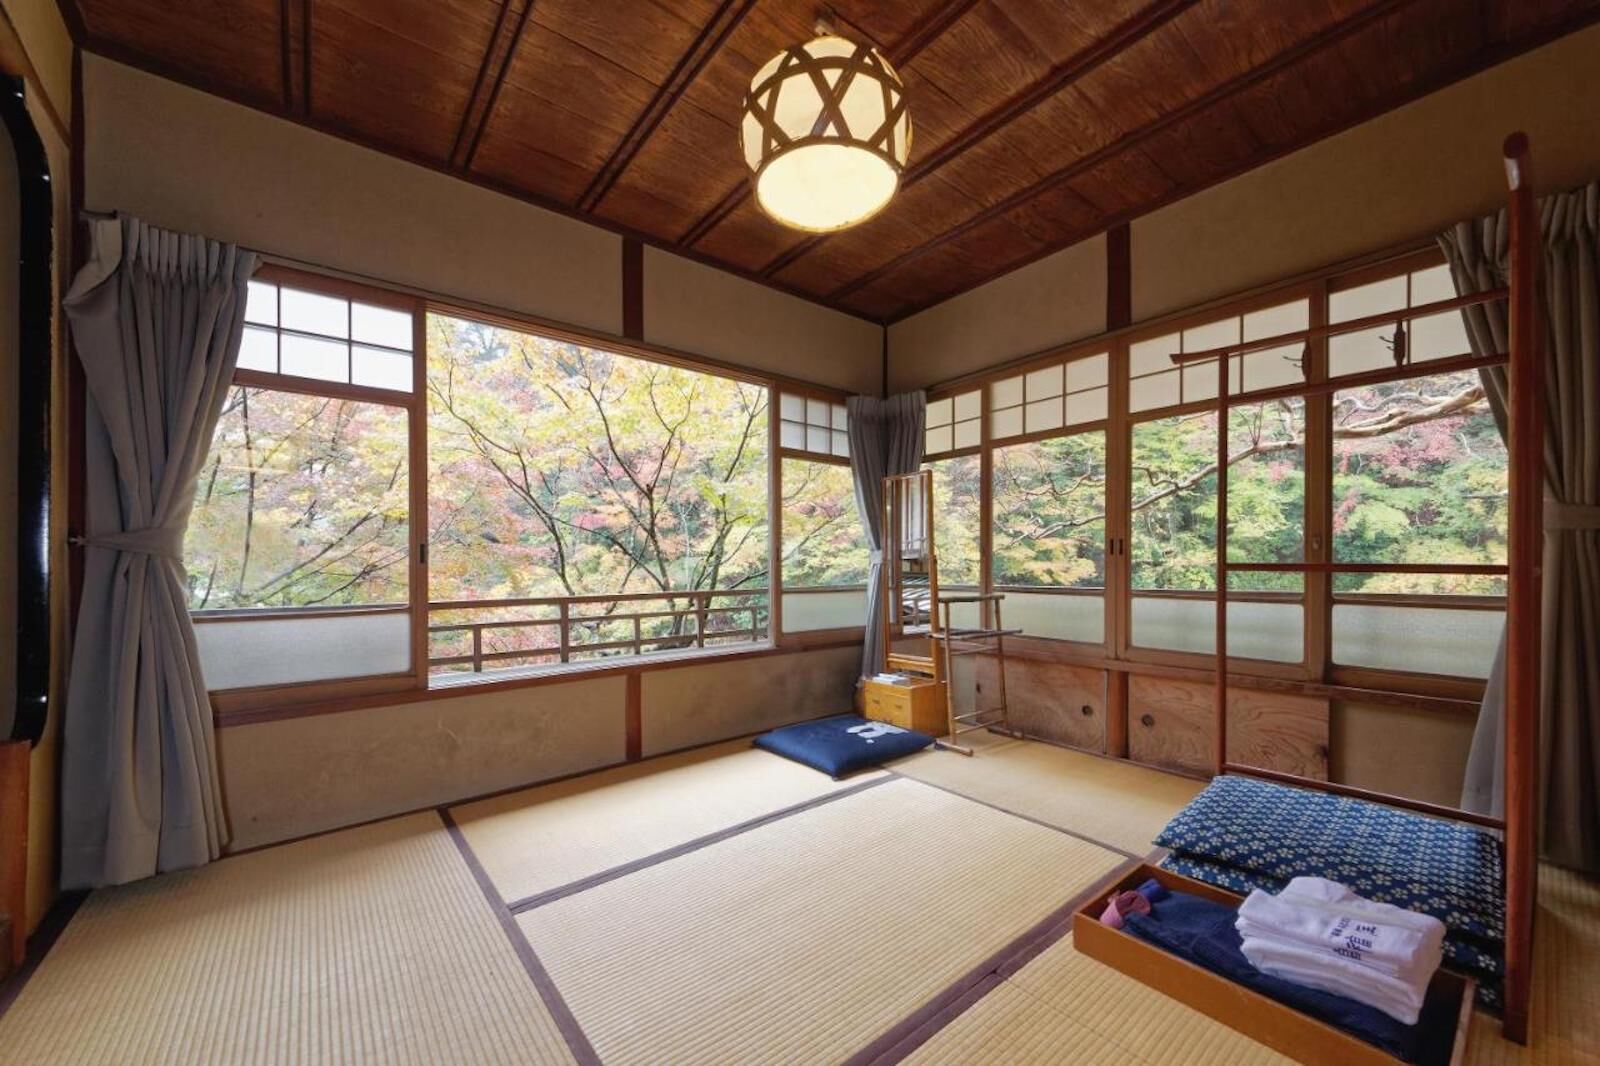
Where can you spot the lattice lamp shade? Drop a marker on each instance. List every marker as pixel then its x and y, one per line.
pixel 827 134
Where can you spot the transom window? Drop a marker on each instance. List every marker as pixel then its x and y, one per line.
pixel 1051 397
pixel 301 333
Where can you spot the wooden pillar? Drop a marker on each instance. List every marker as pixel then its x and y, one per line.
pixel 1525 547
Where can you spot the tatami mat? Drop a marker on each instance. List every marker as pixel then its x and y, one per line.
pixel 373 945
pixel 803 940
pixel 1116 803
pixel 1010 1026
pixel 1064 1007
pixel 542 838
pixel 1565 1024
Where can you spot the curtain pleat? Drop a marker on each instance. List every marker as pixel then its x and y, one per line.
pixel 1479 257
pixel 886 438
pixel 157 319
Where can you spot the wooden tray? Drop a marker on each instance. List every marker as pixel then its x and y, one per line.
pixel 1264 1020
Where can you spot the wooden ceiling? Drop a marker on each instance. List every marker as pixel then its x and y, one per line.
pixel 1037 122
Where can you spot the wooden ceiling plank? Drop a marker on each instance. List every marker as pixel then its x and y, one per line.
pixel 474 99
pixel 711 38
pixel 1343 30
pixel 1497 51
pixel 493 96
pixel 1124 36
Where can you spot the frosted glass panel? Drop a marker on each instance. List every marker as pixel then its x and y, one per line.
pixel 1064 617
pixel 381 326
pixel 1044 414
pixel 1159 390
pixel 938 440
pixel 1363 300
pixel 968 434
pixel 968 405
pixel 1272 321
pixel 805 611
pixel 1152 356
pixel 1086 406
pixel 841 444
pixel 314 313
pixel 1432 285
pixel 311 357
pixel 1439 337
pixel 1007 423
pixel 817 412
pixel 818 439
pixel 1272 631
pixel 240 653
pixel 1424 640
pixel 1211 335
pixel 1087 373
pixel 1007 393
pixel 380 368
pixel 1042 384
pixel 261 304
pixel 791 435
pixel 792 407
pixel 259 350
pixel 939 412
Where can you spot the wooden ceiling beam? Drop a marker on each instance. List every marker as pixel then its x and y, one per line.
pixel 1346 28
pixel 903 52
pixel 705 45
pixel 1129 33
pixel 486 90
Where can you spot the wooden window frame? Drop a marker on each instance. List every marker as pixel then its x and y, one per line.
pixel 1315 671
pixel 292 699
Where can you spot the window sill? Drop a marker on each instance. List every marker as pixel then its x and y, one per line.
pixel 282 703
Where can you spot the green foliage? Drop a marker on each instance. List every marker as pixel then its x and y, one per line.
pixel 957 504
pixel 823 541
pixel 560 469
pixel 302 502
pixel 1049 508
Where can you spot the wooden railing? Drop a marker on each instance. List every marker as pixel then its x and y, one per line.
pixel 563 629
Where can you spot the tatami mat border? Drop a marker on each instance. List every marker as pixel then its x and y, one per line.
pixel 571 1031
pixel 677 850
pixel 1018 814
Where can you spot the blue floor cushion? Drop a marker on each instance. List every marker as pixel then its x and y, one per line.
pixel 843 743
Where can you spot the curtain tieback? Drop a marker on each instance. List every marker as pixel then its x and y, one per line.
pixel 163 542
pixel 1558 515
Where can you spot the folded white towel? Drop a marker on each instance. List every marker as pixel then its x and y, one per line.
pixel 1398 998
pixel 1320 934
pixel 1367 935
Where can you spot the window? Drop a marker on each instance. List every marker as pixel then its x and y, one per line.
pixel 954 423
pixel 299 551
pixel 1049 535
pixel 957 499
pixel 588 504
pixel 809 424
pixel 1420 476
pixel 1063 394
pixel 824 549
pixel 1155 382
pixel 1173 543
pixel 1429 338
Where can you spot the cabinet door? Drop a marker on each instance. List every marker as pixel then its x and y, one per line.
pixel 1052 701
pixel 1173 724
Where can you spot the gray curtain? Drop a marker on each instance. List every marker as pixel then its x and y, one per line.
pixel 156 320
pixel 1569 724
pixel 885 439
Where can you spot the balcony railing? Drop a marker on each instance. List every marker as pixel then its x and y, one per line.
pixel 476 635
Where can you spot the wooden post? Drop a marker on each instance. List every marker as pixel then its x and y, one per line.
pixel 1219 758
pixel 1525 548
pixel 564 614
pixel 477 649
